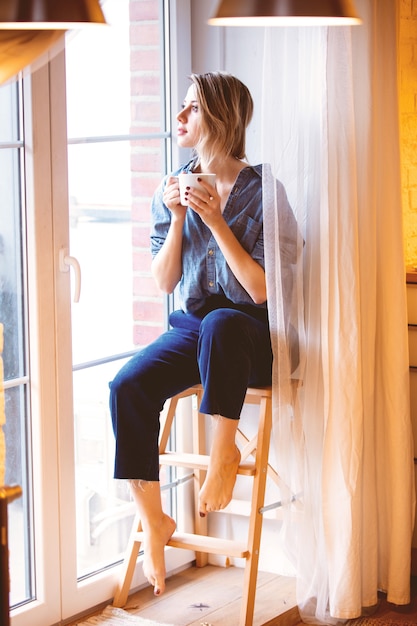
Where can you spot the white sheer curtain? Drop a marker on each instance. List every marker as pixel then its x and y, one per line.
pixel 330 132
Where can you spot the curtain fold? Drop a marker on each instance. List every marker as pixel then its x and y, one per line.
pixel 330 133
pixel 2 414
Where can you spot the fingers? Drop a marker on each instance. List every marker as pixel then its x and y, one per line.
pixel 171 195
pixel 203 200
pixel 196 199
pixel 211 192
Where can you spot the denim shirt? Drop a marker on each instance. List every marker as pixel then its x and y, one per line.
pixel 205 270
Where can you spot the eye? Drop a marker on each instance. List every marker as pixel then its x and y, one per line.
pixel 195 108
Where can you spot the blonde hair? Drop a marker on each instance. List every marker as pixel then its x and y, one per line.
pixel 226 107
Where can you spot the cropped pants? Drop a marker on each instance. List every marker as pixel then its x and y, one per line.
pixel 227 351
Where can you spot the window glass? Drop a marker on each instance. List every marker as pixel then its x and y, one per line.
pixel 9 120
pixel 13 307
pixel 117 154
pixel 98 70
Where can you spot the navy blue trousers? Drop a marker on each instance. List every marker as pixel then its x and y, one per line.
pixel 227 351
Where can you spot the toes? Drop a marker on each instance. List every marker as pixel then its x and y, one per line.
pixel 202 509
pixel 158 586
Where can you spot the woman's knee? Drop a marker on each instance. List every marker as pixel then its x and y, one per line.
pixel 222 323
pixel 134 387
pixel 121 385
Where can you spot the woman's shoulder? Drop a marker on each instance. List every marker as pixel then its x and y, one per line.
pixel 257 168
pixel 261 168
pixel 265 171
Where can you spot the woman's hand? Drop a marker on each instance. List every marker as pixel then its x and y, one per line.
pixel 171 197
pixel 206 203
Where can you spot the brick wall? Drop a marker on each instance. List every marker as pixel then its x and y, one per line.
pixel 408 125
pixel 147 116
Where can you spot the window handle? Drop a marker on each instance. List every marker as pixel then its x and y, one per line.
pixel 65 262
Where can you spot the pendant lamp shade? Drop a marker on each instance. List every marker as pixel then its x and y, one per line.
pixel 285 13
pixel 49 14
pixel 33 31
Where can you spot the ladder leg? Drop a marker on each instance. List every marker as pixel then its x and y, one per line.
pixel 255 522
pixel 128 567
pixel 199 447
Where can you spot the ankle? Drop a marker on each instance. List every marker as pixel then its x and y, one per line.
pixel 155 522
pixel 224 454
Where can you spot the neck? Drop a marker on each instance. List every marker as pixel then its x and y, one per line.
pixel 225 167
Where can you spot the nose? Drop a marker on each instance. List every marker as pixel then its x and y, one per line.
pixel 182 114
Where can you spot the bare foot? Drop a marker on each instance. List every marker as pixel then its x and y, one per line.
pixel 156 538
pixel 217 489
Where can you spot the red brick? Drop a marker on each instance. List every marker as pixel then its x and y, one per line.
pixel 148 311
pixel 141 210
pixel 142 260
pixel 146 143
pixel 144 10
pixel 146 162
pixel 146 111
pixel 145 59
pixel 140 236
pixel 144 186
pixel 143 127
pixel 144 34
pixel 146 285
pixel 145 84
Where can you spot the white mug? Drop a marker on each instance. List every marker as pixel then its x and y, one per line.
pixel 190 180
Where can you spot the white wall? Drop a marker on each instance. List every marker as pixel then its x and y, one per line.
pixel 233 49
pixel 240 51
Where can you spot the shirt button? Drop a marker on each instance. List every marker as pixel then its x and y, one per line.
pixel 211 284
pixel 211 252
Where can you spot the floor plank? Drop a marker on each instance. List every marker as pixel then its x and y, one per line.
pixel 212 595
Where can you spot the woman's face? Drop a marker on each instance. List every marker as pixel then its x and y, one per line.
pixel 189 120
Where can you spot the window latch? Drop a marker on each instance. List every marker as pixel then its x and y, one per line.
pixel 65 262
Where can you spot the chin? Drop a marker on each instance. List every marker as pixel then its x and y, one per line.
pixel 185 142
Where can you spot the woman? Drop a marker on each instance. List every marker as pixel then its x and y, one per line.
pixel 212 249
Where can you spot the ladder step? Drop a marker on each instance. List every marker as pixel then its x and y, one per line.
pixel 199 461
pixel 202 543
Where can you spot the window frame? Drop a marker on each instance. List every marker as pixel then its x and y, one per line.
pixel 49 292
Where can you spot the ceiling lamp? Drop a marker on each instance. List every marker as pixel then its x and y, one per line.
pixel 49 14
pixel 285 13
pixel 34 30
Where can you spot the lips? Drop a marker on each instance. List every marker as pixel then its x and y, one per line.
pixel 181 131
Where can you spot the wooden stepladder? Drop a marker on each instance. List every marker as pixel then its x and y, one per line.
pixel 254 463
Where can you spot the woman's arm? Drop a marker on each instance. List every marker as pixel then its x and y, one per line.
pixel 248 272
pixel 167 264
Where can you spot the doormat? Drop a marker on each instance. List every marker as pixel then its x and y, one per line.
pixel 381 621
pixel 113 616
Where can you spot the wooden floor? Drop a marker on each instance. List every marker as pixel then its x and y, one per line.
pixel 212 595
